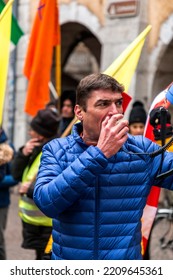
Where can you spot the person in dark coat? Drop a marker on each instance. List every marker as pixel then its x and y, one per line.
pixel 68 99
pixel 6 182
pixel 36 229
pixel 2 172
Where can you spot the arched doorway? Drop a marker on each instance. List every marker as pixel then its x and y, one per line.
pixel 80 54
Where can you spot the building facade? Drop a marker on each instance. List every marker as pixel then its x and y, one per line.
pixel 93 35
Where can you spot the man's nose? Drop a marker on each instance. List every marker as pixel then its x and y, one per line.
pixel 114 109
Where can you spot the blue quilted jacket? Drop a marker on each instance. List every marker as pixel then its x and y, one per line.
pixel 97 203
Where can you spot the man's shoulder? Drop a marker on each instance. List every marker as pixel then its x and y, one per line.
pixel 138 139
pixel 141 142
pixel 61 140
pixel 59 143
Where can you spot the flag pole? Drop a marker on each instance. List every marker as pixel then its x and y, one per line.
pixel 53 90
pixel 69 127
pixel 58 70
pixel 58 56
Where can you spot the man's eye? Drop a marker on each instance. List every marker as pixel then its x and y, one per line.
pixel 119 103
pixel 103 104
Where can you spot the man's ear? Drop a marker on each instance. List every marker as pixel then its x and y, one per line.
pixel 78 112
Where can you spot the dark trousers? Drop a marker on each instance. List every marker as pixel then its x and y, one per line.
pixel 3 222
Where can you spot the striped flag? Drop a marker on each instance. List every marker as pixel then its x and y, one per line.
pixel 16 31
pixel 165 99
pixel 5 31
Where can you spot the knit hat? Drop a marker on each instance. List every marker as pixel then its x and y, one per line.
pixel 53 105
pixel 45 123
pixel 137 114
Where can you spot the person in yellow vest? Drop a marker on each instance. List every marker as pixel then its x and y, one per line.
pixel 36 226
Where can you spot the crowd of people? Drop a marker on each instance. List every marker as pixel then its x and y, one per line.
pixel 85 191
pixel 19 168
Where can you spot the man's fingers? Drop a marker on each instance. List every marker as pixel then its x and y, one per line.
pixel 123 132
pixel 122 124
pixel 34 140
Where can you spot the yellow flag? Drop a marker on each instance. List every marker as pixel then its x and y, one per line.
pixel 123 68
pixel 5 33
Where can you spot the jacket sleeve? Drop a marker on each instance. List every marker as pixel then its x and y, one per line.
pixel 8 181
pixel 18 165
pixel 57 188
pixel 167 166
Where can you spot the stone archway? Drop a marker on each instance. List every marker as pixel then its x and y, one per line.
pixel 80 53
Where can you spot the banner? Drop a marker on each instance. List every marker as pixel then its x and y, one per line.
pixel 123 68
pixel 44 37
pixel 5 32
pixel 165 99
pixel 16 31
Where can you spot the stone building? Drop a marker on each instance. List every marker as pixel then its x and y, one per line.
pixel 93 35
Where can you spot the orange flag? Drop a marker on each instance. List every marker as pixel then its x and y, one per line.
pixel 44 36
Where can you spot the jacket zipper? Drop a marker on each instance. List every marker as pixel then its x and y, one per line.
pixel 96 220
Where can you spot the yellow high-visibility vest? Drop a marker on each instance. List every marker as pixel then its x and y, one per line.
pixel 48 248
pixel 28 211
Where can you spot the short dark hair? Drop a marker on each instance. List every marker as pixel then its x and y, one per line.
pixel 68 95
pixel 95 82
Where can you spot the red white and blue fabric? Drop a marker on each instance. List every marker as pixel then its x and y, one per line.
pixel 165 99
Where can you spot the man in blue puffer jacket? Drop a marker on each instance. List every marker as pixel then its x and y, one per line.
pixel 95 182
